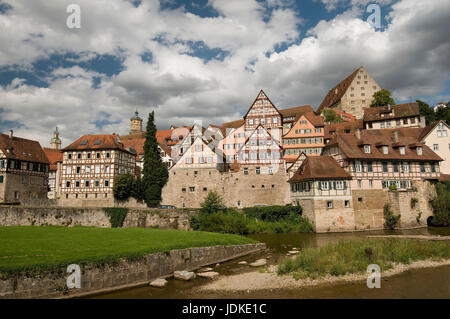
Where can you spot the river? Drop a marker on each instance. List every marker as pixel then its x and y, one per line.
pixel 419 283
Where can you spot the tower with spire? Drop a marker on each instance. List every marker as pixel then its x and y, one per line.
pixel 55 142
pixel 136 124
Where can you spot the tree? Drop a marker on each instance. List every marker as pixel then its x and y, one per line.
pixel 443 113
pixel 213 203
pixel 330 116
pixel 138 190
pixel 426 111
pixel 441 205
pixel 382 98
pixel 155 171
pixel 123 185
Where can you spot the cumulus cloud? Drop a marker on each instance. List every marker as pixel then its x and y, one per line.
pixel 409 56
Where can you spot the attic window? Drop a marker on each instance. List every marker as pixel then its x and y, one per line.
pixel 402 150
pixel 419 150
pixel 84 142
pixel 367 149
pixel 97 142
pixel 385 150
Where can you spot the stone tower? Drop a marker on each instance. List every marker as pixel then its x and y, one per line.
pixel 136 124
pixel 55 142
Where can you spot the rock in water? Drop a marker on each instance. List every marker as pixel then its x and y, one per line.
pixel 160 282
pixel 184 275
pixel 242 263
pixel 259 263
pixel 206 269
pixel 208 274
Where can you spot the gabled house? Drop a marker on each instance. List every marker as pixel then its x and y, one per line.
pixel 436 137
pixel 351 95
pixel 23 170
pixel 393 116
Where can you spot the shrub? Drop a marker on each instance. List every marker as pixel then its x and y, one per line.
pixel 213 203
pixel 390 220
pixel 414 201
pixel 123 185
pixel 138 190
pixel 441 205
pixel 393 187
pixel 116 215
pixel 273 213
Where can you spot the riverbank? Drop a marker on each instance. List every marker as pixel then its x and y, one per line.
pixel 267 280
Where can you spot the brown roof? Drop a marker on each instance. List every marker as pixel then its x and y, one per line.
pixel 54 156
pixel 319 167
pixel 296 112
pixel 336 93
pixel 315 120
pixel 22 149
pixel 396 111
pixel 429 128
pixel 354 148
pixel 342 127
pixel 261 91
pixel 97 142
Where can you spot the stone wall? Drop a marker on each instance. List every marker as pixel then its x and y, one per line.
pixel 189 187
pixel 71 216
pixel 124 274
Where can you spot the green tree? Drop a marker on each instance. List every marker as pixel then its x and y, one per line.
pixel 427 111
pixel 330 116
pixel 441 205
pixel 123 186
pixel 155 171
pixel 382 98
pixel 138 191
pixel 213 203
pixel 443 113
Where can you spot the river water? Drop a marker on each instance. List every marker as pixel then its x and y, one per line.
pixel 419 283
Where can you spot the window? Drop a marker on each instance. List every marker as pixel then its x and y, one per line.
pixel 405 167
pixel 69 170
pixel 97 183
pixel 385 150
pixel 78 169
pixel 370 183
pixel 358 167
pixel 258 170
pixel 318 129
pixel 433 168
pixel 435 147
pixel 402 150
pixel 69 156
pixel 419 150
pixel 79 155
pixel 1 179
pixel 192 189
pixel 98 155
pixel 245 170
pixel 108 154
pixel 250 121
pixel 324 185
pixel 88 155
pixel 88 169
pixel 382 124
pixel 274 120
pixel 369 167
pixel 412 120
pixel 397 122
pixel 330 204
pixel 106 182
pixel 183 190
pixel 77 184
pixel 86 184
pixel 385 167
pixel 405 121
pixel 347 203
pixel 97 169
pixel 340 184
pixel 67 184
pixel 422 167
pixel 205 189
pixel 395 165
pixel 106 168
pixel 367 149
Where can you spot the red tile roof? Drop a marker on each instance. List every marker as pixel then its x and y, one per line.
pixel 342 127
pixel 353 148
pixel 336 93
pixel 97 142
pixel 22 149
pixel 54 156
pixel 295 112
pixel 396 111
pixel 319 167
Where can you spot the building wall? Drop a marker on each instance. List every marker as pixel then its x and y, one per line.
pixel 410 121
pixel 443 142
pixel 232 143
pixel 17 187
pixel 355 100
pixel 189 187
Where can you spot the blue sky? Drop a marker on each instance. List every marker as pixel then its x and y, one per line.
pixel 205 60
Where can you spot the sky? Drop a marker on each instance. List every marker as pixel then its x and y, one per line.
pixel 205 60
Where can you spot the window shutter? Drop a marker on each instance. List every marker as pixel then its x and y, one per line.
pixel 362 167
pixel 354 166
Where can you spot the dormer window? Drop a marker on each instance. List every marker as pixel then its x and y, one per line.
pixel 367 149
pixel 402 150
pixel 419 150
pixel 385 150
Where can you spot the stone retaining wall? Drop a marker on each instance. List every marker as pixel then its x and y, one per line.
pixel 124 274
pixel 71 216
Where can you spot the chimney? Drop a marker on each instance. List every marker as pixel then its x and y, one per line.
pixel 10 133
pixel 358 134
pixel 389 107
pixel 395 136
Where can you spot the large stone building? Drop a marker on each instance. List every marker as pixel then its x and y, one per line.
pixel 90 165
pixel 352 95
pixel 23 170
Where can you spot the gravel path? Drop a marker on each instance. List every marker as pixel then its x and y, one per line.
pixel 270 280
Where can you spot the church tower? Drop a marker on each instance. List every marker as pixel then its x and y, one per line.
pixel 136 124
pixel 55 142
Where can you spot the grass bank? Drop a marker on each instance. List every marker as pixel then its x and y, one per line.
pixel 43 249
pixel 353 257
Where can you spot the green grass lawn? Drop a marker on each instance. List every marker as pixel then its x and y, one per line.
pixel 347 257
pixel 49 248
